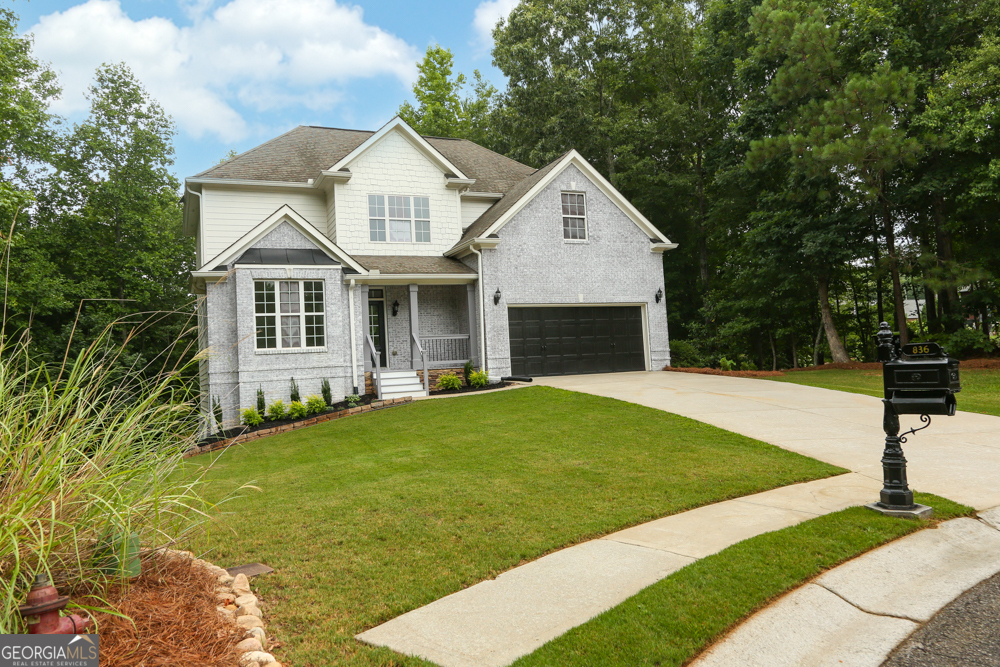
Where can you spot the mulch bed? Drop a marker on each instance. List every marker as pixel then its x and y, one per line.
pixel 231 433
pixel 851 365
pixel 466 389
pixel 173 614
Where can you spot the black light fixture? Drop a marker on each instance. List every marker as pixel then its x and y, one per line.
pixel 496 297
pixel 395 308
pixel 659 295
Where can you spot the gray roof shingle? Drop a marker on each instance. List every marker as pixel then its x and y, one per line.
pixel 302 153
pixel 412 265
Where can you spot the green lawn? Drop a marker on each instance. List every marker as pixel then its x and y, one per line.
pixel 674 619
pixel 980 387
pixel 369 517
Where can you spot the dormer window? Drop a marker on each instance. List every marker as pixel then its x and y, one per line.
pixel 574 214
pixel 399 219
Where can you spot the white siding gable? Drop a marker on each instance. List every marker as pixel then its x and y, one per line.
pixel 231 212
pixel 394 166
pixel 473 208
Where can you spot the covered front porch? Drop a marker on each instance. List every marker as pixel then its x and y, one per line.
pixel 419 313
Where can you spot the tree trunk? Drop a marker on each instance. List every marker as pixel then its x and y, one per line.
pixel 930 310
pixel 774 352
pixel 946 255
pixel 702 233
pixel 897 286
pixel 877 271
pixel 795 353
pixel 837 351
pixel 819 339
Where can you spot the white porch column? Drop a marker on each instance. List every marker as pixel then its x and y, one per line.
pixel 364 326
pixel 415 362
pixel 473 328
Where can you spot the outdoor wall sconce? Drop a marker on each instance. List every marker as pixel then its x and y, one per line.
pixel 395 308
pixel 659 295
pixel 496 297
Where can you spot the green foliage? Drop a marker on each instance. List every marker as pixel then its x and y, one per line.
pixel 353 400
pixel 97 455
pixel 326 391
pixel 748 366
pixel 440 112
pixel 217 412
pixel 251 417
pixel 684 354
pixel 277 410
pixel 261 403
pixel 966 343
pixel 726 364
pixel 449 381
pixel 479 379
pixel 294 391
pixel 315 405
pixel 297 410
pixel 467 371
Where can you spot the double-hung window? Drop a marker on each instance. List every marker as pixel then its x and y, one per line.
pixel 574 216
pixel 289 314
pixel 399 219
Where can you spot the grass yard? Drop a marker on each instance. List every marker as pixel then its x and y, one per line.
pixel 670 622
pixel 369 517
pixel 980 386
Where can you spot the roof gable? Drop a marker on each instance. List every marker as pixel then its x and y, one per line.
pixel 285 214
pixel 398 125
pixel 510 204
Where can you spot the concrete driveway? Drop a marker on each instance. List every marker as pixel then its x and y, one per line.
pixel 957 457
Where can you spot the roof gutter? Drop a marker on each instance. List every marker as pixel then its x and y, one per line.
pixel 661 247
pixel 474 244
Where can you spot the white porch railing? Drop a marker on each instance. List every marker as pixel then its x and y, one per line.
pixel 372 353
pixel 453 349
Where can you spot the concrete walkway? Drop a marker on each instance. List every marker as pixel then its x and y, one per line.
pixel 957 457
pixel 495 622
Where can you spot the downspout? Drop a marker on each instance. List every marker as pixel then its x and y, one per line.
pixel 201 214
pixel 482 309
pixel 354 349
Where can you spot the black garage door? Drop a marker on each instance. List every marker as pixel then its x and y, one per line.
pixel 568 340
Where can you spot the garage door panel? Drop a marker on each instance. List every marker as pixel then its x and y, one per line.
pixel 548 340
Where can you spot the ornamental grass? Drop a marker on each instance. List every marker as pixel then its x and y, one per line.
pixel 89 449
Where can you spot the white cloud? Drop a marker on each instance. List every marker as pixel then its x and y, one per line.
pixel 487 15
pixel 261 54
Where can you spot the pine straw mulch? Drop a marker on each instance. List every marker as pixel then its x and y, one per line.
pixel 967 364
pixel 173 607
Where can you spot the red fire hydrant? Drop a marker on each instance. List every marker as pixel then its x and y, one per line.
pixel 41 611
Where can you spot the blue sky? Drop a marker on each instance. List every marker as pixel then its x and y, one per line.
pixel 235 73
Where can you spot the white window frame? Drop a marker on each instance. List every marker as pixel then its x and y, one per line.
pixel 387 220
pixel 302 314
pixel 563 217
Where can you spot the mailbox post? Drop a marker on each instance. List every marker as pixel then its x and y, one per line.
pixel 918 379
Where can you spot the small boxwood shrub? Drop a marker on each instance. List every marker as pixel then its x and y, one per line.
pixel 684 354
pixel 449 381
pixel 315 405
pixel 326 391
pixel 277 410
pixel 479 379
pixel 353 400
pixel 297 410
pixel 251 417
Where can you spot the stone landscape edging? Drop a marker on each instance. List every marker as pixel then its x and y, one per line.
pixel 284 428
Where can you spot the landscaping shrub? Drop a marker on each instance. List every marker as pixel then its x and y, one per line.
pixel 251 417
pixel 315 405
pixel 88 452
pixel 277 410
pixel 467 370
pixel 684 354
pixel 726 364
pixel 748 366
pixel 479 379
pixel 297 410
pixel 965 343
pixel 449 381
pixel 293 394
pixel 326 391
pixel 261 404
pixel 353 400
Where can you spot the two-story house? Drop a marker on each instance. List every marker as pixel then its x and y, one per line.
pixel 365 257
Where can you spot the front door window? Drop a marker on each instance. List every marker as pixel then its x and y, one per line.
pixel 376 322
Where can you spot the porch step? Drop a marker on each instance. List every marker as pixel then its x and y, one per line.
pixel 396 384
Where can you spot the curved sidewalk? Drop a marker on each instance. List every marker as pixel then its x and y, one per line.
pixel 957 457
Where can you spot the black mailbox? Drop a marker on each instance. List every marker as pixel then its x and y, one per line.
pixel 921 380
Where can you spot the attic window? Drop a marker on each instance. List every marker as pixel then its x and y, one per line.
pixel 574 214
